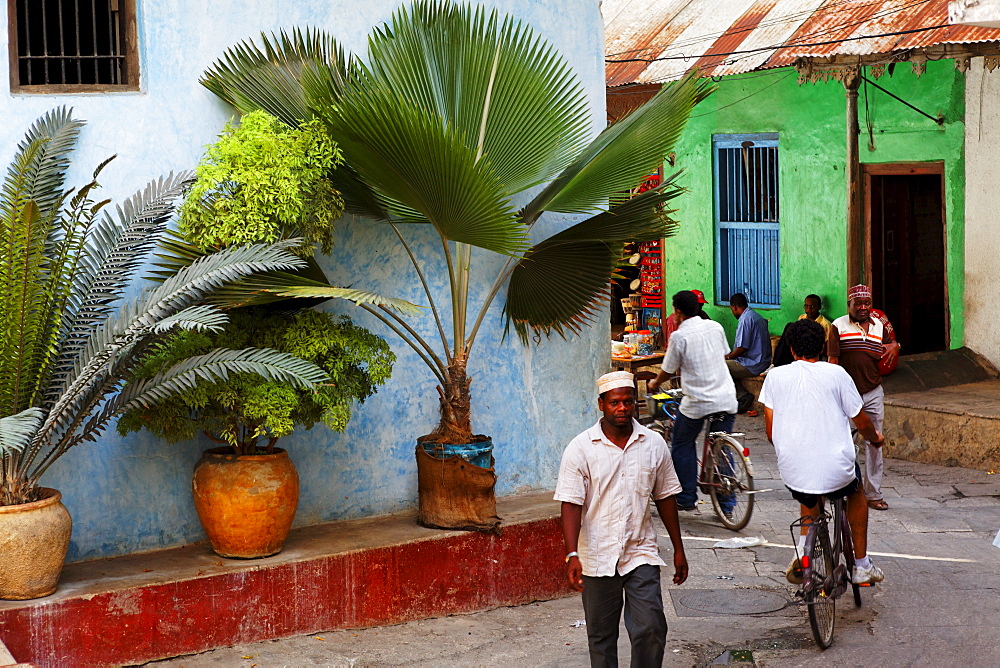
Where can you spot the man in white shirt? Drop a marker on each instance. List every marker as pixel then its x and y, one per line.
pixel 698 351
pixel 607 477
pixel 808 409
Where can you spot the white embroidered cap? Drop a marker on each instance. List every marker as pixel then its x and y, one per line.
pixel 614 380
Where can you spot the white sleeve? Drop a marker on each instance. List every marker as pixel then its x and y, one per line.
pixel 765 391
pixel 850 400
pixel 571 485
pixel 672 360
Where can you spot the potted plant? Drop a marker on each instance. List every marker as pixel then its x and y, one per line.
pixel 262 181
pixel 465 120
pixel 68 344
pixel 246 489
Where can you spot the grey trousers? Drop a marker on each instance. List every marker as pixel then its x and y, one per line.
pixel 644 618
pixel 744 398
pixel 873 405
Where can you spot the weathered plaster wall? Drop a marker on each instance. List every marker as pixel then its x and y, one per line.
pixel 810 120
pixel 132 494
pixel 982 220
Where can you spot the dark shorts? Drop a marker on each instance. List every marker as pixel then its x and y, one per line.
pixel 810 500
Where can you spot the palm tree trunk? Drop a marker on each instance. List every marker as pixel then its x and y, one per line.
pixel 456 425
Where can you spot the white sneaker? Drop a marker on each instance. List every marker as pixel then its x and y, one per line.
pixel 869 575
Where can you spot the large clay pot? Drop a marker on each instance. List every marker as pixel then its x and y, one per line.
pixel 34 538
pixel 456 486
pixel 246 503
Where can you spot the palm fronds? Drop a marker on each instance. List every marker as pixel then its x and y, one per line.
pixel 282 76
pixel 453 115
pixel 562 283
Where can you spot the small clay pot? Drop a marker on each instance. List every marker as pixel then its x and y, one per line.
pixel 246 503
pixel 34 538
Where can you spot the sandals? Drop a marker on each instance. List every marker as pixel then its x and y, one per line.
pixel 878 504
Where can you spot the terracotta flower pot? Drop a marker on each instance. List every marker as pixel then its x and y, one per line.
pixel 34 538
pixel 246 503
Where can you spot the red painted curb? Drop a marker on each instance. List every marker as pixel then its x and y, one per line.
pixel 445 573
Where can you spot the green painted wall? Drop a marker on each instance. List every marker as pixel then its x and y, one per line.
pixel 810 120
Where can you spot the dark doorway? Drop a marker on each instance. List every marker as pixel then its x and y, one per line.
pixel 907 252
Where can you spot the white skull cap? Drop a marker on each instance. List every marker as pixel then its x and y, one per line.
pixel 614 380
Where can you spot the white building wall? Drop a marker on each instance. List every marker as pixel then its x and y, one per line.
pixel 982 213
pixel 132 494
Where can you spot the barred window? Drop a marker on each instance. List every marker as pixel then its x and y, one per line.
pixel 65 46
pixel 747 242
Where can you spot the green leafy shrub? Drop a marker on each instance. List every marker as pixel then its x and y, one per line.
pixel 246 409
pixel 263 181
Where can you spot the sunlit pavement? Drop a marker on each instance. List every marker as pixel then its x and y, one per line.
pixel 938 605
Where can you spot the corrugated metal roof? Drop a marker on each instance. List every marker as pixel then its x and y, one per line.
pixel 734 36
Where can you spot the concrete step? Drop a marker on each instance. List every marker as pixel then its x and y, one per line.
pixel 353 574
pixel 958 425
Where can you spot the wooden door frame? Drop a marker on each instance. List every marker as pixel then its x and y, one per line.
pixel 931 168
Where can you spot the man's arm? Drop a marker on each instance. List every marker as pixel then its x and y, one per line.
pixel 833 345
pixel 667 509
pixel 867 429
pixel 768 423
pixel 572 515
pixel 737 352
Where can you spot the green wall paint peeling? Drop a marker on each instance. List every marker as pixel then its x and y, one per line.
pixel 810 120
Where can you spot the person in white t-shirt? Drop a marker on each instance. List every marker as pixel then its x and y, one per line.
pixel 808 410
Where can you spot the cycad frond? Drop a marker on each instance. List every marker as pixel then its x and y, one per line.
pixel 42 178
pixel 16 430
pixel 217 366
pixel 112 251
pixel 201 318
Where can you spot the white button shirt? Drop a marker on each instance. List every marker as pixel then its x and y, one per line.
pixel 614 486
pixel 698 350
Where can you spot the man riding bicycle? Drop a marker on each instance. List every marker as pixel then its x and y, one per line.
pixel 698 351
pixel 808 410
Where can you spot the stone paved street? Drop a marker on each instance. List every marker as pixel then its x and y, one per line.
pixel 937 607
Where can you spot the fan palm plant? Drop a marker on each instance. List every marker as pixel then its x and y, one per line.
pixel 67 344
pixel 456 114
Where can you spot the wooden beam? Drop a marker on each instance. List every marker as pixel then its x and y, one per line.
pixel 855 245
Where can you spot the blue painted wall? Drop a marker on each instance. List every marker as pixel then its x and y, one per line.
pixel 133 494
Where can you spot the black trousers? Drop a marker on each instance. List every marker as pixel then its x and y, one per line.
pixel 644 618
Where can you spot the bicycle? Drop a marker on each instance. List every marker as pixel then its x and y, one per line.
pixel 822 582
pixel 725 469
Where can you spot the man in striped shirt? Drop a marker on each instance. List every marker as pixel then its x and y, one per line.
pixel 607 477
pixel 857 342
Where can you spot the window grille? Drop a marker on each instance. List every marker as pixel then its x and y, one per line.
pixel 72 44
pixel 747 243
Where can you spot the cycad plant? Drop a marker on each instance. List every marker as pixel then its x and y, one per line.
pixel 68 344
pixel 456 114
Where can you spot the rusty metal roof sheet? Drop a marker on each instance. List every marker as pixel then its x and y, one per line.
pixel 734 36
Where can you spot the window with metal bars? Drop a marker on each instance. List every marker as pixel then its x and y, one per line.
pixel 59 46
pixel 747 243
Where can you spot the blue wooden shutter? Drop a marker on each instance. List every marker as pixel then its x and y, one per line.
pixel 746 218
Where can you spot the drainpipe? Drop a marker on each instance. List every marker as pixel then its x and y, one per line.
pixel 855 270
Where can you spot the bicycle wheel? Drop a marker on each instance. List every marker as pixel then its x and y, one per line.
pixel 822 606
pixel 731 480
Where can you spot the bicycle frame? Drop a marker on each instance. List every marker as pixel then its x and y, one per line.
pixel 707 459
pixel 841 545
